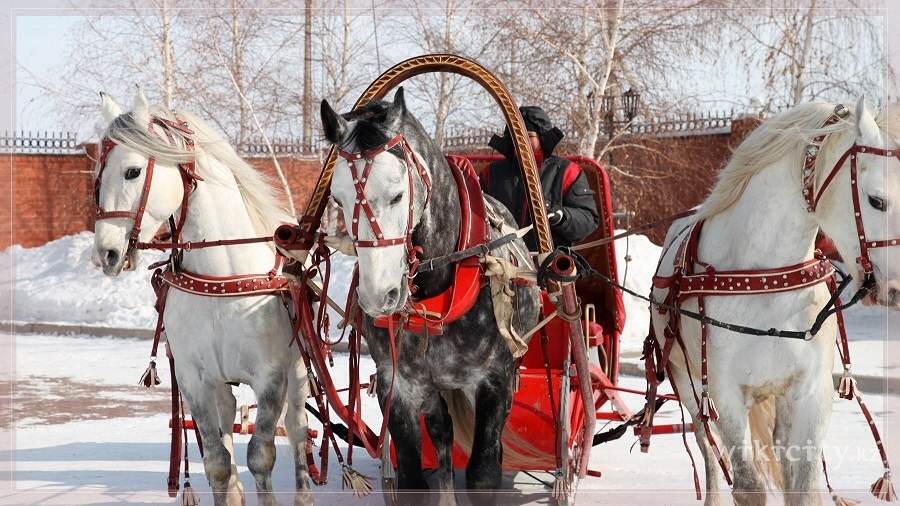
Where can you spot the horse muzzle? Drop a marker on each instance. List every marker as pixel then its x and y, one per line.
pixel 386 303
pixel 113 262
pixel 886 294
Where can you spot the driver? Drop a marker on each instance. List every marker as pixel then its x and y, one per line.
pixel 570 206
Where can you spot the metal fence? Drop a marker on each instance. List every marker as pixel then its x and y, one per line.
pixel 665 126
pixel 54 143
pixel 283 147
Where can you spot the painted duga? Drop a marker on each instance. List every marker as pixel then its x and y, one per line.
pixel 787 180
pixel 400 202
pixel 216 341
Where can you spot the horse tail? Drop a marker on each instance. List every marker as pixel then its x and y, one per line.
pixel 762 425
pixel 517 452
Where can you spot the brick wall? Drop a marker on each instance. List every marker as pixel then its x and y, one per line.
pixel 50 196
pixel 656 176
pixel 661 176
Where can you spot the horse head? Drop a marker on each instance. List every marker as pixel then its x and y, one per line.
pixel 382 183
pixel 860 212
pixel 138 184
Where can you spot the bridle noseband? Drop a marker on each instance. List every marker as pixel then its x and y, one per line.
pixel 361 202
pixel 187 170
pixel 813 195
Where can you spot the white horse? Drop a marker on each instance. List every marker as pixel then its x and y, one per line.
pixel 216 341
pixel 763 214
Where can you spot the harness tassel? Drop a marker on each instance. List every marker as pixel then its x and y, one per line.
pixel 883 489
pixel 189 496
pixel 708 408
pixel 847 388
pixel 843 501
pixel 357 482
pixel 150 378
pixel 560 487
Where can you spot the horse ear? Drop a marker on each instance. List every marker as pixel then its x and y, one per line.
pixel 335 126
pixel 396 111
pixel 868 130
pixel 109 108
pixel 140 108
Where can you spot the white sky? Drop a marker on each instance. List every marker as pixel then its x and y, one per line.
pixel 37 38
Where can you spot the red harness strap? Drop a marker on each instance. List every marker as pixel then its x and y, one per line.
pixel 685 284
pixel 435 312
pixel 229 286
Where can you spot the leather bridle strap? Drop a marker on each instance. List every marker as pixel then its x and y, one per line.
pixel 187 170
pixel 362 202
pixel 865 244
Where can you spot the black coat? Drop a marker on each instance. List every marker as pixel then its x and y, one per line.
pixel 503 181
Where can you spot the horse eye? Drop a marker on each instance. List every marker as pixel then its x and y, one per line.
pixel 877 203
pixel 396 200
pixel 132 172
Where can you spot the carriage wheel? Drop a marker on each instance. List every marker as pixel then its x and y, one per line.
pixel 566 481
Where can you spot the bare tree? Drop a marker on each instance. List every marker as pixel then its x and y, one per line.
pixel 455 27
pixel 576 56
pixel 111 52
pixel 255 45
pixel 812 49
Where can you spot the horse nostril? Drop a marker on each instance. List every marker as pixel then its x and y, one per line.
pixel 391 298
pixel 893 297
pixel 110 257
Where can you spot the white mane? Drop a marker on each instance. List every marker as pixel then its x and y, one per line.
pixel 784 135
pixel 265 202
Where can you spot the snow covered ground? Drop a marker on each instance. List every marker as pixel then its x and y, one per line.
pixel 80 431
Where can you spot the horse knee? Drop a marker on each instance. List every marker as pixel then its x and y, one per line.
pixel 260 456
pixel 217 464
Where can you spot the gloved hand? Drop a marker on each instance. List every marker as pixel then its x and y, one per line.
pixel 555 215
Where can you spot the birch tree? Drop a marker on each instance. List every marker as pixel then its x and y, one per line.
pixel 111 52
pixel 575 56
pixel 811 50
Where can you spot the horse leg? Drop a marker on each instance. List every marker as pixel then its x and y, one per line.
pixel 406 434
pixel 270 395
pixel 733 425
pixel 783 423
pixel 201 399
pixel 440 430
pixel 713 472
pixel 493 400
pixel 296 426
pixel 809 408
pixel 227 407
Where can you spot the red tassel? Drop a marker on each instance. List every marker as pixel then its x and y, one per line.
pixel 847 388
pixel 883 489
pixel 708 408
pixel 150 378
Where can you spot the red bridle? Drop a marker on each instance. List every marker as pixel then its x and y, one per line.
pixel 189 178
pixel 362 203
pixel 812 195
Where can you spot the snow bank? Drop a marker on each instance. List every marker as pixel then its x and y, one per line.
pixel 57 283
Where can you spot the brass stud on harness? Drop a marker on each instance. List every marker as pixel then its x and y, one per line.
pixel 841 111
pixel 811 151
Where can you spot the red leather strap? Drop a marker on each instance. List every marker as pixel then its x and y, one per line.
pixel 226 286
pixel 435 312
